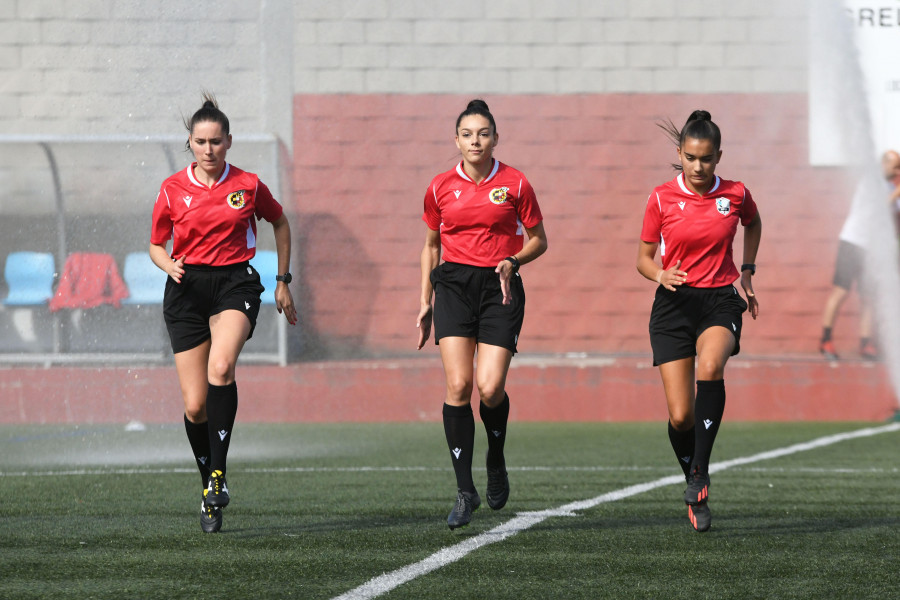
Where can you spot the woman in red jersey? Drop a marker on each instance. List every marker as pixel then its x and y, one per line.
pixel 212 296
pixel 695 323
pixel 476 214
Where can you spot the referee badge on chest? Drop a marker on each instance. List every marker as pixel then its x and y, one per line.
pixel 498 195
pixel 723 205
pixel 236 199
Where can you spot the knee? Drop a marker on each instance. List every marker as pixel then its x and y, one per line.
pixel 710 368
pixel 681 421
pixel 195 412
pixel 459 390
pixel 491 394
pixel 221 371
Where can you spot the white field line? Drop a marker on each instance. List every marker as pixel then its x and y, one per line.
pixel 522 521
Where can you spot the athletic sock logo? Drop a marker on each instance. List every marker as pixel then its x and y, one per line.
pixel 497 433
pixel 457 452
pixel 222 433
pixel 708 423
pixel 686 460
pixel 202 460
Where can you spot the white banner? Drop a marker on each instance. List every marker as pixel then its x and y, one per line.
pixel 854 68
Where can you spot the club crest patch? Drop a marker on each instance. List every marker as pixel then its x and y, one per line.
pixel 723 205
pixel 236 199
pixel 498 195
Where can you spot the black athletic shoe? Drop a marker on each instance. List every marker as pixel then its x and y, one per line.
pixel 217 492
pixel 700 516
pixel 697 491
pixel 210 516
pixel 466 504
pixel 497 486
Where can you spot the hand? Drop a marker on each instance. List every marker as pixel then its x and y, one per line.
pixel 284 302
pixel 752 302
pixel 505 270
pixel 423 323
pixel 674 276
pixel 176 271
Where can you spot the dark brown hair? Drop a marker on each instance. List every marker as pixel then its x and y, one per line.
pixel 699 126
pixel 209 112
pixel 477 107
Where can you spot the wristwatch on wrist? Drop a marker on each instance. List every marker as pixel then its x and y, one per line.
pixel 749 267
pixel 285 278
pixel 515 263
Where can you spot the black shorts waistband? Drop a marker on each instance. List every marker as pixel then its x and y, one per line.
pixel 473 267
pixel 214 268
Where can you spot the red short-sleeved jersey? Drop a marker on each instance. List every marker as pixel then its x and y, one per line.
pixel 698 230
pixel 212 226
pixel 481 223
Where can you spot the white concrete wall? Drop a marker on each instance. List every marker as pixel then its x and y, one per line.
pixel 135 66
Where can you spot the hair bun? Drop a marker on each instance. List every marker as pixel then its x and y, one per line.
pixel 210 104
pixel 477 103
pixel 700 115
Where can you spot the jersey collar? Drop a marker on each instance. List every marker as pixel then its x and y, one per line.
pixel 686 190
pixel 190 174
pixel 462 173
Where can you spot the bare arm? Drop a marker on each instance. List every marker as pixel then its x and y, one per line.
pixel 160 257
pixel 533 248
pixel 752 235
pixel 647 266
pixel 284 301
pixel 431 256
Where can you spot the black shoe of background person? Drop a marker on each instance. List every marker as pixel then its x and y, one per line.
pixel 828 350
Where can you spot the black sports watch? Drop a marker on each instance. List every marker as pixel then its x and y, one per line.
pixel 285 278
pixel 749 267
pixel 514 262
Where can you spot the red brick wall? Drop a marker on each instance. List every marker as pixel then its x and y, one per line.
pixel 362 164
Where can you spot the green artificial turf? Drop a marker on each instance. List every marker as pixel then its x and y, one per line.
pixel 317 510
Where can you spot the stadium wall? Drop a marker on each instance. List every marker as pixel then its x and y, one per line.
pixel 362 95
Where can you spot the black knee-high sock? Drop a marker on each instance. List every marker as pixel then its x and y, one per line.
pixel 683 445
pixel 495 420
pixel 459 427
pixel 198 436
pixel 708 410
pixel 221 408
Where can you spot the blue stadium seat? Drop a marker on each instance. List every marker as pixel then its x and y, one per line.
pixel 146 282
pixel 266 264
pixel 29 276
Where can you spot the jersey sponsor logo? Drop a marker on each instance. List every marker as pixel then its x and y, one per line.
pixel 498 195
pixel 723 205
pixel 457 193
pixel 681 205
pixel 187 200
pixel 236 199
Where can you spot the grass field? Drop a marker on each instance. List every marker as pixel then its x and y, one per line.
pixel 317 511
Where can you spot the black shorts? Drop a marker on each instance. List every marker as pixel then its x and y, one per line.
pixel 678 318
pixel 204 292
pixel 849 266
pixel 468 303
